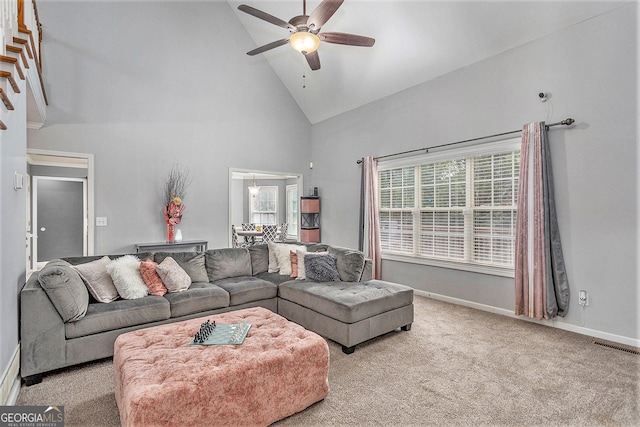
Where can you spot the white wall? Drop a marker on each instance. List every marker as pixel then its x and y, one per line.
pixel 590 71
pixel 142 85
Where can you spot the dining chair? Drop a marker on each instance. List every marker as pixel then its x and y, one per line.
pixel 234 239
pixel 248 227
pixel 283 232
pixel 270 232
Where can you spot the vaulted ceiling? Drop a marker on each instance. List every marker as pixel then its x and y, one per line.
pixel 416 41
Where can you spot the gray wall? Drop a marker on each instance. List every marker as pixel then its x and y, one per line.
pixel 142 86
pixel 590 71
pixel 13 259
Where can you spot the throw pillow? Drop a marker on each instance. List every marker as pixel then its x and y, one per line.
pixel 66 290
pixel 125 273
pixel 321 268
pixel 273 258
pixel 350 263
pixel 151 278
pixel 191 262
pixel 98 280
pixel 302 271
pixel 294 264
pixel 173 276
pixel 283 255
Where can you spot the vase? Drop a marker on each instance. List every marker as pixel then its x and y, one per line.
pixel 171 233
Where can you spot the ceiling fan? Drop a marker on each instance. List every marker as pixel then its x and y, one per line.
pixel 305 31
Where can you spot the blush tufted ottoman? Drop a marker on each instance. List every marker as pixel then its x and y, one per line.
pixel 280 369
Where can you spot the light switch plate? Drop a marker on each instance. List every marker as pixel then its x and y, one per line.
pixel 101 221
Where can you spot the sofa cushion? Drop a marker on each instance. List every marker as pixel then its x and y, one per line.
pixel 275 278
pixel 125 273
pixel 119 314
pixel 66 290
pixel 98 280
pixel 347 302
pixel 191 262
pixel 75 260
pixel 349 262
pixel 247 289
pixel 227 262
pixel 259 258
pixel 173 276
pixel 200 296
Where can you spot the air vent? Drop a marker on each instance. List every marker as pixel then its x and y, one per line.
pixel 617 347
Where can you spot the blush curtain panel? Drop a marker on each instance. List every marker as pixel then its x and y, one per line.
pixel 372 247
pixel 542 288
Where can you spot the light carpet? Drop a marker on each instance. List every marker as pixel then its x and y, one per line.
pixel 457 366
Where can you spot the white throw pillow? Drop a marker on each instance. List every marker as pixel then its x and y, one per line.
pixel 125 273
pixel 273 259
pixel 283 254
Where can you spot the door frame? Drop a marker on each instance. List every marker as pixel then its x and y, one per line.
pixel 67 159
pixel 36 265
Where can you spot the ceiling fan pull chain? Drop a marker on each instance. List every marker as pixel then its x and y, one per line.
pixel 304 74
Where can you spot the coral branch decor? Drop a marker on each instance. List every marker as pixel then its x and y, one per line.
pixel 175 190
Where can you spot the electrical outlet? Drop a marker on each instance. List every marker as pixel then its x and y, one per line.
pixel 101 221
pixel 583 298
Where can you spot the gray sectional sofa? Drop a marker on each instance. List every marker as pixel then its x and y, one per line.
pixel 349 311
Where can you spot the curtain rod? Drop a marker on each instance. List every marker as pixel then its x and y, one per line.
pixel 565 122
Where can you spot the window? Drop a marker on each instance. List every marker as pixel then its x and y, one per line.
pixel 455 208
pixel 292 211
pixel 263 207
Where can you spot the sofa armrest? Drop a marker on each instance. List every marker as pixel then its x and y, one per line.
pixel 367 271
pixel 42 333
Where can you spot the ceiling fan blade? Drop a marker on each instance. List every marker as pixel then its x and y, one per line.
pixel 267 47
pixel 313 59
pixel 266 17
pixel 348 39
pixel 323 12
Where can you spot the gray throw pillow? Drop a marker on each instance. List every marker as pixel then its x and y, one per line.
pixel 66 290
pixel 191 262
pixel 321 268
pixel 349 262
pixel 227 262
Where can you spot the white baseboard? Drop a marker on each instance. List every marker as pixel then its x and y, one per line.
pixel 552 323
pixel 9 382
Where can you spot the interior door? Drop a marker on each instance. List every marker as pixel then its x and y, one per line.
pixel 59 218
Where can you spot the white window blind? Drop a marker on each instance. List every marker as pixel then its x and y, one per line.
pixel 264 206
pixel 455 207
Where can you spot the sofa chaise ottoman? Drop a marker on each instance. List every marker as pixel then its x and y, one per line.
pixel 160 379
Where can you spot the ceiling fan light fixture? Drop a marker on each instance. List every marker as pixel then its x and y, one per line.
pixel 304 41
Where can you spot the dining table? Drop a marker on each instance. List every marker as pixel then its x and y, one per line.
pixel 251 234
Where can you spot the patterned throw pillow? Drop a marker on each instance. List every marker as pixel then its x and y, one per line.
pixel 151 278
pixel 125 273
pixel 173 276
pixel 321 268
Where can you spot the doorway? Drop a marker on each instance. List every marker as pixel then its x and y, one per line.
pixel 59 218
pixel 60 213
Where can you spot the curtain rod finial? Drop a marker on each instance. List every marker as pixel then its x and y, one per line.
pixel 568 121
